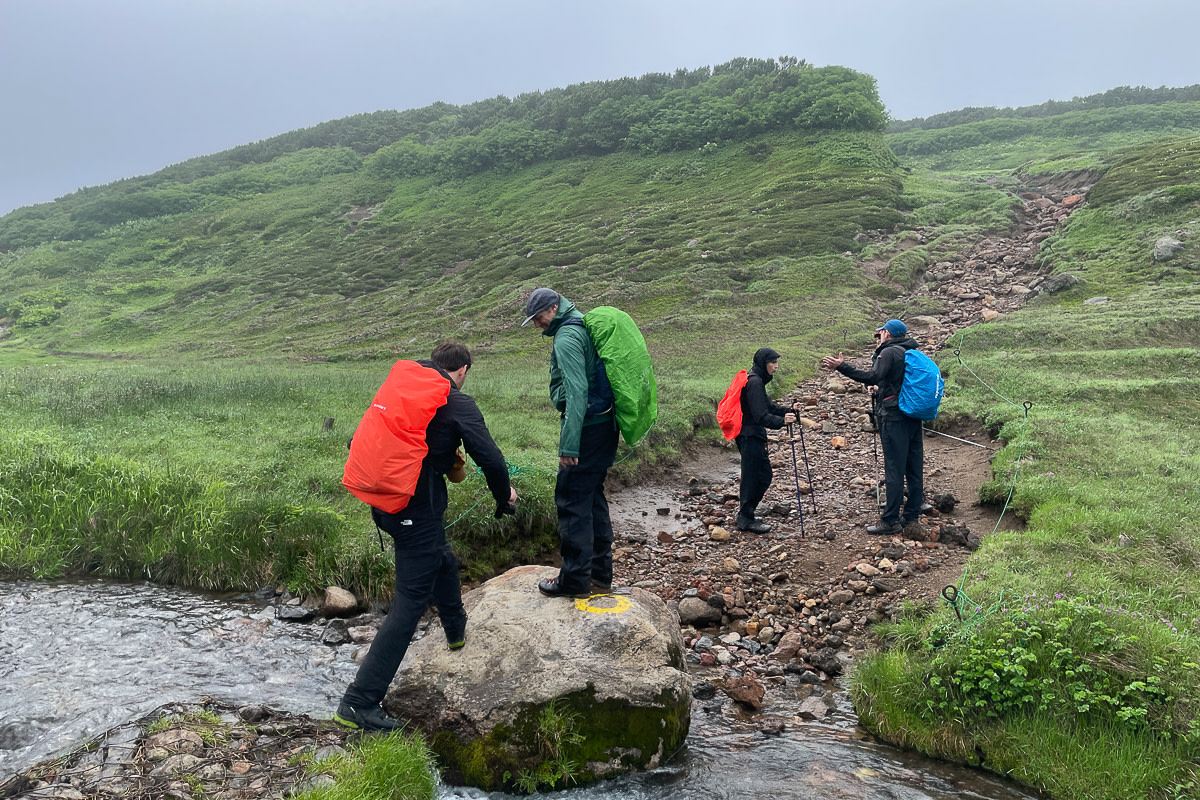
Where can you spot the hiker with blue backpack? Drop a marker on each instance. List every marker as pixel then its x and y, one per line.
pixel 901 402
pixel 602 385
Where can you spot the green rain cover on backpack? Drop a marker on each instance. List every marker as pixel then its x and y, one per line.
pixel 622 348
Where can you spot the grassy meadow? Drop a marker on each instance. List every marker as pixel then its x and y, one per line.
pixel 223 475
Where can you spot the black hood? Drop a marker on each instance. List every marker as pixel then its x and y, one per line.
pixel 764 356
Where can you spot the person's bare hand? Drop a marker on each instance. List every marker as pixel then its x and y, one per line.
pixel 567 461
pixel 512 496
pixel 832 362
pixel 789 418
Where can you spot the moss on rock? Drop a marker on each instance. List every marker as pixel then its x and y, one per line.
pixel 616 738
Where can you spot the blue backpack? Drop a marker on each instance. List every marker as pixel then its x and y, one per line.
pixel 922 388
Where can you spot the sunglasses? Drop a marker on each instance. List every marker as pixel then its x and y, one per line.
pixel 879 336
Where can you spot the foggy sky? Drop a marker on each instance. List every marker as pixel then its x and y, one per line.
pixel 92 91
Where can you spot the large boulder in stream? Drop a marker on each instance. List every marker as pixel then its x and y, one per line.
pixel 614 663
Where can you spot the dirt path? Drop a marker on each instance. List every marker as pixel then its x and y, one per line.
pixel 677 533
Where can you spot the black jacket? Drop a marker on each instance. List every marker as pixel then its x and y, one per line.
pixel 886 372
pixel 758 412
pixel 459 421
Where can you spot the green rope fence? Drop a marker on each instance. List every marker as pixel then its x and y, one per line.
pixel 967 610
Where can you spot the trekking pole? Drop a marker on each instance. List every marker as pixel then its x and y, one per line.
pixel 796 473
pixel 875 447
pixel 812 490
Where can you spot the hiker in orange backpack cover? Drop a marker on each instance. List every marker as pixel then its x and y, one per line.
pixel 758 414
pixel 426 569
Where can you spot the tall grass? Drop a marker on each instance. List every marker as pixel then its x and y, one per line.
pixel 218 477
pixel 398 766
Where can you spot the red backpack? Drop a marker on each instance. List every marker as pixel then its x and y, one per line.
pixel 389 443
pixel 729 410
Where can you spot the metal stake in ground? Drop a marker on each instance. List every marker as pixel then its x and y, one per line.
pixel 812 490
pixel 796 472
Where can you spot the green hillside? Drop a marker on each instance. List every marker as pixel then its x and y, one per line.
pixel 632 226
pixel 183 356
pixel 1120 97
pixel 189 332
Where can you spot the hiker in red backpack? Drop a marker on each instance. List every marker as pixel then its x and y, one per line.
pixel 587 446
pixel 426 569
pixel 899 434
pixel 758 414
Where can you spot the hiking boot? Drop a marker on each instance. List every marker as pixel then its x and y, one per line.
pixel 600 586
pixel 366 719
pixel 456 637
pixel 885 528
pixel 551 588
pixel 754 526
pixel 926 508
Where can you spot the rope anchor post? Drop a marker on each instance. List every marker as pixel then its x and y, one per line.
pixel 950 595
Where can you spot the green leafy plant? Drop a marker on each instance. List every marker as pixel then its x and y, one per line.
pixel 556 734
pixel 1061 657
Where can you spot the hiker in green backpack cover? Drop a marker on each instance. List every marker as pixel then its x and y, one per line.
pixel 587 447
pixel 900 435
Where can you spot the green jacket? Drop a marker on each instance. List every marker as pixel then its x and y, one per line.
pixel 572 377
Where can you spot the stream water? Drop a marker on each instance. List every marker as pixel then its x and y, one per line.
pixel 77 658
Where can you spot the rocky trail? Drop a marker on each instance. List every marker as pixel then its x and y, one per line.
pixel 799 600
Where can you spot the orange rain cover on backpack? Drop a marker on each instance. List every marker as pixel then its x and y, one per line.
pixel 389 444
pixel 729 410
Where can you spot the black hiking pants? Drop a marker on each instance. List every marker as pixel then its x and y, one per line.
pixel 584 526
pixel 756 475
pixel 903 460
pixel 426 571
